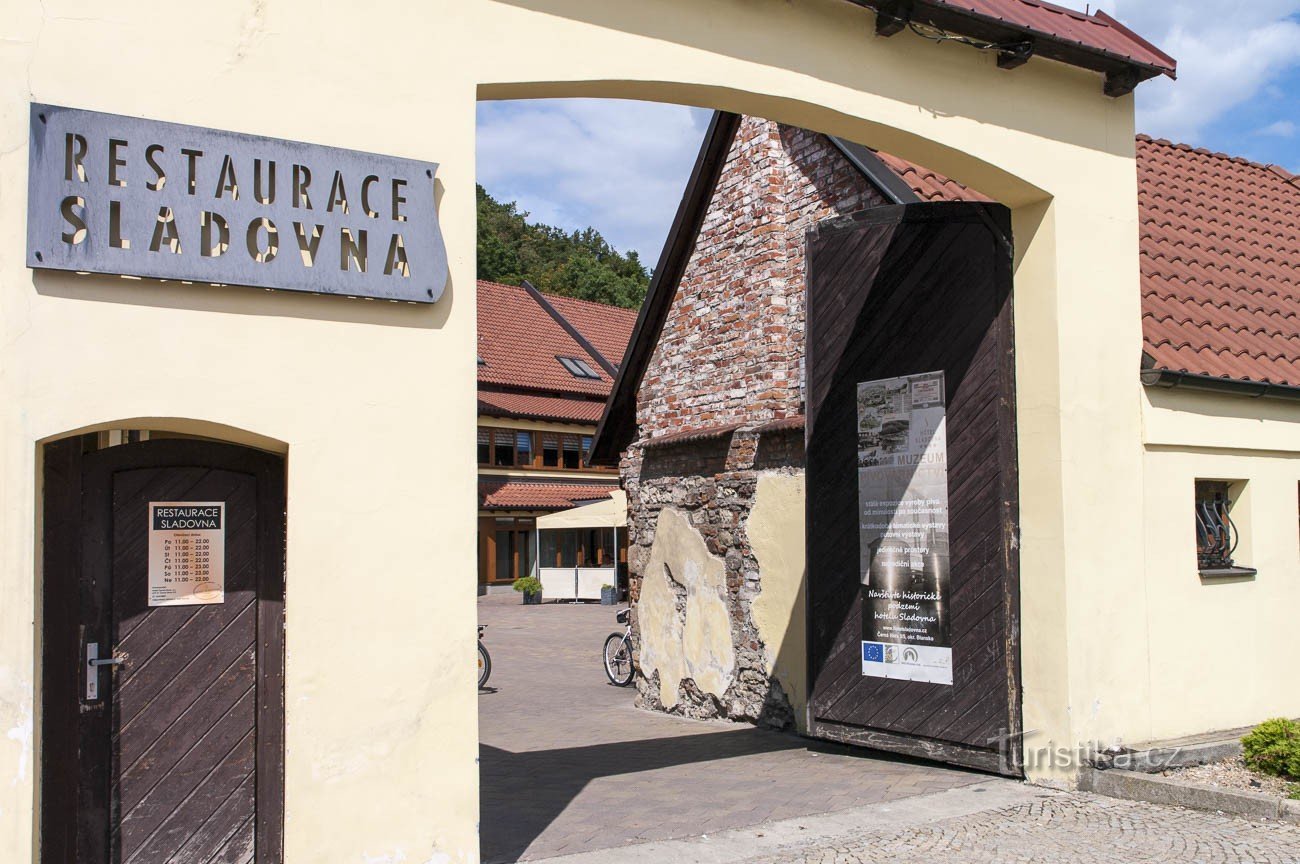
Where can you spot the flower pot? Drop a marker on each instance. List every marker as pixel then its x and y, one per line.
pixel 608 595
pixel 532 598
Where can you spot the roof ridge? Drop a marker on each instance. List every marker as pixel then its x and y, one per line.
pixel 1286 175
pixel 551 295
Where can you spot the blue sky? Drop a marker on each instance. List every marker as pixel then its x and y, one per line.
pixel 621 166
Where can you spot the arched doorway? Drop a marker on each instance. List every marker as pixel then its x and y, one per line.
pixel 163 650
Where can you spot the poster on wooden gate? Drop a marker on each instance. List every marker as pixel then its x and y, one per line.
pixel 903 528
pixel 187 553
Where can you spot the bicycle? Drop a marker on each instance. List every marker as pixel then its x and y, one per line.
pixel 618 653
pixel 484 659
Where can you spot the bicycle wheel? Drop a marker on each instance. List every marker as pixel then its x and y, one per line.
pixel 618 659
pixel 484 665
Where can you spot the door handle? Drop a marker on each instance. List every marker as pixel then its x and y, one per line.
pixel 93 662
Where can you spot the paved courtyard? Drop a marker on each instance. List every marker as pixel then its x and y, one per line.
pixel 569 765
pixel 571 771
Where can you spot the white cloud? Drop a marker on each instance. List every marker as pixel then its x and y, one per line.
pixel 619 166
pixel 1227 53
pixel 1280 128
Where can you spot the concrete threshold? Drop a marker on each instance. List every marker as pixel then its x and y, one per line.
pixel 1179 753
pixel 1141 786
pixel 1156 756
pixel 740 844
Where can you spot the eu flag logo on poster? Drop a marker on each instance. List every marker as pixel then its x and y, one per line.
pixel 873 652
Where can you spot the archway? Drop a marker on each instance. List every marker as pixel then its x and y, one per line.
pixel 595 762
pixel 383 758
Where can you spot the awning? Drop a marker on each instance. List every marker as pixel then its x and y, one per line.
pixel 608 513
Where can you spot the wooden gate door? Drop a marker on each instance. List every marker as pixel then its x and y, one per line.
pixel 163 644
pixel 912 491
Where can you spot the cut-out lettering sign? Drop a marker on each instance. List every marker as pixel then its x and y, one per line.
pixel 121 195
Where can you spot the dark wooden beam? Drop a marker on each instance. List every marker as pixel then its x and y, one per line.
pixel 892 16
pixel 576 335
pixel 1014 56
pixel 1120 82
pixel 876 172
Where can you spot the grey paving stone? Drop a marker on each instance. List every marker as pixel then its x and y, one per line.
pixel 569 765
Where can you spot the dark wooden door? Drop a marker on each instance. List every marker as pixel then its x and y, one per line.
pixel 899 293
pixel 178 757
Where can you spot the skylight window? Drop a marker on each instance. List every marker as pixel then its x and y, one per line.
pixel 578 368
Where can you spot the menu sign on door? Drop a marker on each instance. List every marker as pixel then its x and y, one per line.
pixel 187 553
pixel 903 528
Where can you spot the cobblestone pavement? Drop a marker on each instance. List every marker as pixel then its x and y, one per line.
pixel 569 765
pixel 1062 828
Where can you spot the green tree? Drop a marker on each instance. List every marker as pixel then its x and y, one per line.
pixel 573 264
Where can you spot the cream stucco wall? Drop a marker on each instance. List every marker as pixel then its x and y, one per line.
pixel 370 400
pixel 374 403
pixel 1218 648
pixel 687 636
pixel 775 529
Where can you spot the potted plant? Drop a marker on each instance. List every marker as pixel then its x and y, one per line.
pixel 531 588
pixel 608 595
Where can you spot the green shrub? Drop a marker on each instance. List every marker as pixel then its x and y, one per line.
pixel 1273 747
pixel 528 585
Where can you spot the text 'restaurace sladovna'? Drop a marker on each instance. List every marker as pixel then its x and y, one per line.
pixel 122 195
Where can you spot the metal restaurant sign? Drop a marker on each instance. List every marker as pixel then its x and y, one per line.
pixel 121 195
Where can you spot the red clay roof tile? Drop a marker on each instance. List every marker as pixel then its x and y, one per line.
pixel 525 495
pixel 1220 258
pixel 1220 248
pixel 1097 31
pixel 530 406
pixel 518 341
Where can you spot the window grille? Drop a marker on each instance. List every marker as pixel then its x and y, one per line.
pixel 1216 534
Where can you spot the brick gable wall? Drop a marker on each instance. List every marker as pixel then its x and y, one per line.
pixel 732 344
pixel 732 353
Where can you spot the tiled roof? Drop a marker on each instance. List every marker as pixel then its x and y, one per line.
pixel 1097 31
pixel 492 403
pixel 929 185
pixel 519 341
pixel 1220 255
pixel 1220 248
pixel 526 495
pixel 607 328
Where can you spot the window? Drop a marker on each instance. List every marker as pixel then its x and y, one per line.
pixel 578 368
pixel 577 547
pixel 1218 536
pixel 523 448
pixel 514 448
pixel 505 448
pixel 506 551
pixel 572 452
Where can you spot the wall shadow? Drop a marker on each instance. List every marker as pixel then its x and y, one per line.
pixel 524 792
pixel 239 300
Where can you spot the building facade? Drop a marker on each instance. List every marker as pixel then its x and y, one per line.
pixel 715 472
pixel 369 406
pixel 542 382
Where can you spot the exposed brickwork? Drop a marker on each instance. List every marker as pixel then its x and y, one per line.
pixel 732 352
pixel 732 345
